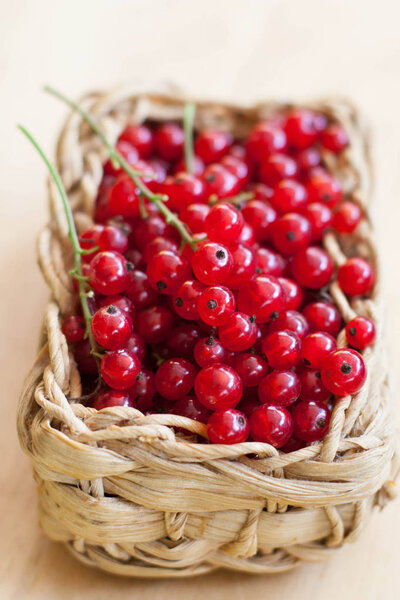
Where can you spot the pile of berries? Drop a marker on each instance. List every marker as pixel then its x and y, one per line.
pixel 236 328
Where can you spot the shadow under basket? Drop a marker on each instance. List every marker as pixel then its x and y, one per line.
pixel 125 493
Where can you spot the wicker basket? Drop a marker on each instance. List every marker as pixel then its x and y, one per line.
pixel 119 488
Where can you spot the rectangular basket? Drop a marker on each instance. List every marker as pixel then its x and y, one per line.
pixel 118 487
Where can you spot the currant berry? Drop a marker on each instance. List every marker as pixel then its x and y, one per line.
pixel 147 229
pixel 218 387
pixel 111 327
pixel 301 129
pixel 110 398
pixel 220 182
pixel 264 139
pixel 223 223
pixel 312 387
pixel 186 299
pixel 346 217
pixel 194 216
pixel 216 305
pixel 211 145
pixel 271 424
pixel 294 294
pixel 228 427
pixel 291 233
pixel 247 236
pixel 119 369
pixel 185 189
pixel 289 196
pixel 159 244
pixel 175 378
pixel 316 347
pixel 238 167
pixel 212 263
pixel 154 324
pixel 360 332
pixel 250 368
pixel 191 408
pixel 324 188
pixel 356 277
pixel 144 390
pixel 307 159
pixel 312 267
pixel 167 271
pixel 89 239
pixel 280 388
pixel 291 320
pixel 249 403
pixel 123 198
pixel 84 358
pixel 239 333
pixel 108 274
pixel 136 345
pixel 209 351
pixel 182 340
pixel 141 137
pixel 168 141
pixel 269 262
pixel 323 316
pixel 114 239
pixel 129 153
pixel 320 218
pixel 334 138
pixel 260 216
pixel 73 328
pixel 244 265
pixel 263 297
pixel 311 420
pixel 344 372
pixel 282 349
pixel 140 291
pixel 277 167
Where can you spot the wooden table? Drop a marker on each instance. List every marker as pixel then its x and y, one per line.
pixel 231 49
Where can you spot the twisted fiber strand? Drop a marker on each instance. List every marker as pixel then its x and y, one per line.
pixel 121 489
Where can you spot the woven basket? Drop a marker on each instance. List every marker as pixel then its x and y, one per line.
pixel 127 495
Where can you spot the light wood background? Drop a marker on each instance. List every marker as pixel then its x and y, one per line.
pixel 232 49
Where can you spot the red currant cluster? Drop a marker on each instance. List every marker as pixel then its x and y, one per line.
pixel 235 329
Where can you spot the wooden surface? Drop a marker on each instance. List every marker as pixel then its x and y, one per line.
pixel 232 49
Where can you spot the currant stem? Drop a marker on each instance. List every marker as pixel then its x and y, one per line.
pixel 188 120
pixel 157 199
pixel 73 236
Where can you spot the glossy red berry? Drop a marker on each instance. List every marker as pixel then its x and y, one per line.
pixel 191 408
pixel 218 387
pixel 185 189
pixel 154 324
pixel 220 182
pixel 144 390
pixel 175 378
pixel 263 297
pixel 281 388
pixel 89 239
pixel 194 216
pixel 168 141
pixel 114 239
pixel 73 328
pixel 301 128
pixel 269 262
pixel 323 316
pixel 224 223
pixel 181 341
pixel 136 345
pixel 356 277
pixel 291 233
pixel 324 188
pixel 249 402
pixel 260 216
pixel 344 372
pixel 198 166
pixel 315 348
pixel 130 154
pixel 228 427
pixel 312 387
pixel 271 424
pixel 111 327
pixel 334 138
pixel 346 217
pixel 141 137
pixel 244 265
pixel 211 145
pixel 311 420
pixel 282 349
pixel 291 320
pixel 251 368
pixel 320 218
pixel 237 167
pixel 209 351
pixel 123 198
pixel 140 291
pixel 186 299
pixel 119 369
pixel 110 398
pixel 108 274
pixel 167 271
pixel 238 333
pixel 264 139
pixel 294 294
pixel 147 229
pixel 360 332
pixel 158 244
pixel 307 159
pixel 212 263
pixel 289 196
pixel 84 358
pixel 216 305
pixel 312 267
pixel 277 167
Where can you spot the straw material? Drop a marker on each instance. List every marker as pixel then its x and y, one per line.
pixel 121 489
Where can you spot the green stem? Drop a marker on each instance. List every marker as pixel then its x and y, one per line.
pixel 188 120
pixel 157 199
pixel 73 236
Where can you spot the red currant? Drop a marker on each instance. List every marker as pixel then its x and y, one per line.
pixel 144 390
pixel 291 320
pixel 119 369
pixel 324 188
pixel 158 244
pixel 108 274
pixel 312 387
pixel 216 305
pixel 186 189
pixel 84 358
pixel 334 138
pixel 191 408
pixel 211 145
pixel 129 153
pixel 323 316
pixel 141 137
pixel 282 349
pixel 73 328
pixel 89 239
pixel 169 140
pixel 136 345
pixel 186 299
pixel 110 398
pixel 269 262
pixel 111 327
pixel 250 368
pixel 312 267
pixel 320 218
pixel 212 263
pixel 181 341
pixel 311 420
pixel 154 324
pixel 175 378
pixel 147 229
pixel 237 167
pixel 239 333
pixel 281 388
pixel 289 196
pixel 194 216
pixel 218 387
pixel 294 294
pixel 308 159
pixel 244 265
pixel 228 427
pixel 264 139
pixel 209 351
pixel 167 271
pixel 263 297
pixel 220 182
pixel 344 372
pixel 114 239
pixel 223 223
pixel 316 347
pixel 356 277
pixel 260 216
pixel 346 217
pixel 277 167
pixel 301 129
pixel 123 198
pixel 271 424
pixel 291 233
pixel 140 291
pixel 360 332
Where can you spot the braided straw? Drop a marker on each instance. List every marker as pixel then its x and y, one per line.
pixel 121 489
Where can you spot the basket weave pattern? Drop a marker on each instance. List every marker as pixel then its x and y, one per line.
pixel 126 494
